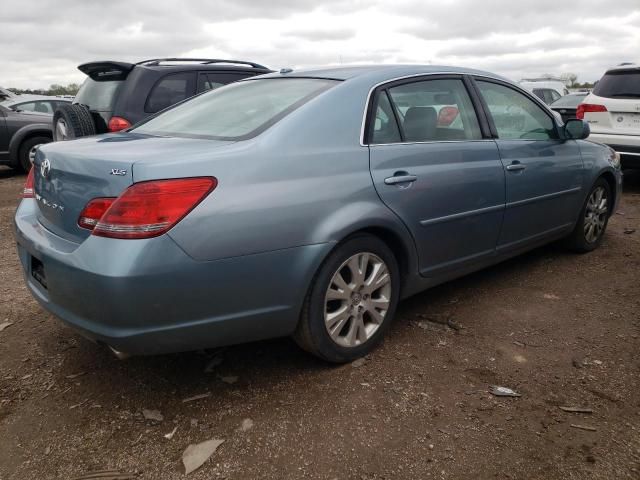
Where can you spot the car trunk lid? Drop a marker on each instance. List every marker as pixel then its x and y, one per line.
pixel 67 175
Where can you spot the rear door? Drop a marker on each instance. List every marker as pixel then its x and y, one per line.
pixel 543 173
pixel 436 168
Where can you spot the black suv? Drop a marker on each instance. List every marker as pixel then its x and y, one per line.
pixel 116 95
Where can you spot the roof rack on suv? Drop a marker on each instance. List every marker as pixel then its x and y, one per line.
pixel 204 61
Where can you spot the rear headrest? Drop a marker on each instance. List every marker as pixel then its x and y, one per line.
pixel 420 124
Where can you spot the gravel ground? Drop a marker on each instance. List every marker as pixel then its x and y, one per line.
pixel 560 329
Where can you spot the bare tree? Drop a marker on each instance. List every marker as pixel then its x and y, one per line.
pixel 569 78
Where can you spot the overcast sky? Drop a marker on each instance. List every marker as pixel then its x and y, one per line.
pixel 43 41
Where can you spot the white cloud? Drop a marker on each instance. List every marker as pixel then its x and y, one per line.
pixel 43 42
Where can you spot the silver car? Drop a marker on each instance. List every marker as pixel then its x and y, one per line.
pixel 304 203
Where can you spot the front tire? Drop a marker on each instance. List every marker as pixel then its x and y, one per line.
pixel 594 217
pixel 351 302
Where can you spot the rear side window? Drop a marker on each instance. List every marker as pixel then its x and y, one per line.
pixel 211 81
pixel 170 90
pixel 238 111
pixel 98 96
pixel 435 110
pixel 623 84
pixel 547 95
pixel 516 116
pixel 385 127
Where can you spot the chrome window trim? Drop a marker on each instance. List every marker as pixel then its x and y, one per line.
pixel 429 142
pixel 404 77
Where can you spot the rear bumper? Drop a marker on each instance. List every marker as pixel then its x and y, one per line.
pixel 149 297
pixel 628 146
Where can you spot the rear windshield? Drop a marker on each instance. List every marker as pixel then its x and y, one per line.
pixel 569 101
pixel 623 84
pixel 98 96
pixel 237 111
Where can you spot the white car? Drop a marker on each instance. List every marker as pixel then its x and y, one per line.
pixel 547 90
pixel 613 112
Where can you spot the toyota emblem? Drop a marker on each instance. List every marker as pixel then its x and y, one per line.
pixel 45 168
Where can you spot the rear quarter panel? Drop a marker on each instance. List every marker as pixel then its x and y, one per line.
pixel 304 181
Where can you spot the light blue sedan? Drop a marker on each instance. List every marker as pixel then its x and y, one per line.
pixel 304 203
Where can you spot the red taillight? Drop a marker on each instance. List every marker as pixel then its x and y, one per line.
pixel 118 123
pixel 149 209
pixel 93 212
pixel 27 191
pixel 589 107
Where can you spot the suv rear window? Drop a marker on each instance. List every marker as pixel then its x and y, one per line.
pixel 237 111
pixel 98 96
pixel 619 84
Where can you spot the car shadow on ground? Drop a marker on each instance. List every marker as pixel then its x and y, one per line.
pixel 7 172
pixel 632 181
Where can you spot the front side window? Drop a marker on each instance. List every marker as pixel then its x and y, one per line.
pixel 24 107
pixel 237 111
pixel 170 90
pixel 435 110
pixel 516 116
pixel 39 107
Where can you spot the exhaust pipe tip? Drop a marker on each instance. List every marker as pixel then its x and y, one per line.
pixel 119 355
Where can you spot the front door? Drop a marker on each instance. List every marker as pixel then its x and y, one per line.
pixel 543 173
pixel 435 169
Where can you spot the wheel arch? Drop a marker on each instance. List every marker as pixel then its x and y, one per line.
pixel 26 132
pixel 399 242
pixel 610 178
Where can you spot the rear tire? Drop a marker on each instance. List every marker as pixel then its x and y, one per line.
pixel 346 314
pixel 27 151
pixel 72 121
pixel 594 217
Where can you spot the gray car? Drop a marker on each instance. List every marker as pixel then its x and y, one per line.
pixel 303 203
pixel 25 124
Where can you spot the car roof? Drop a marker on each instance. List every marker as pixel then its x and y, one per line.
pixel 627 66
pixel 33 98
pixel 378 73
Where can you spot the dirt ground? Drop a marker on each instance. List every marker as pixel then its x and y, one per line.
pixel 560 329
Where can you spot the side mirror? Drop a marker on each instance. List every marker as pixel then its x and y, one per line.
pixel 576 129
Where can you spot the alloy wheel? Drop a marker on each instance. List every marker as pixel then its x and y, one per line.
pixel 32 153
pixel 357 299
pixel 61 130
pixel 595 216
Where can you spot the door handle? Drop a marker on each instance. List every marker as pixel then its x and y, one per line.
pixel 516 166
pixel 400 177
